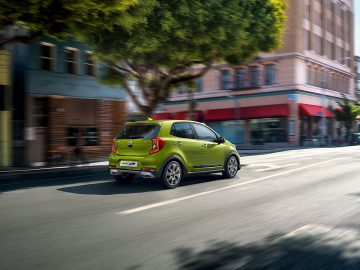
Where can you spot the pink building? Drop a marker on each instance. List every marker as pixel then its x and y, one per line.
pixel 286 97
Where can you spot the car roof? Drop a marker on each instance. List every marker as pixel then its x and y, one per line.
pixel 152 121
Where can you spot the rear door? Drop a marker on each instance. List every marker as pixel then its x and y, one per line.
pixel 185 143
pixel 135 139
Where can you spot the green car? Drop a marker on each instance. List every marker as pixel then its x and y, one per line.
pixel 170 150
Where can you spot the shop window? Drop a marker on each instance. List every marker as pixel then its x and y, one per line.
pixel 268 130
pixel 240 78
pixel 47 56
pixel 89 64
pixel 270 74
pixel 85 136
pixel 71 60
pixel 225 80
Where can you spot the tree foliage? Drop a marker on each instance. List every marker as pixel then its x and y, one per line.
pixel 67 18
pixel 181 40
pixel 347 113
pixel 158 43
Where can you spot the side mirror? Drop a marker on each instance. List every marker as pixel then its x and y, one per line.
pixel 221 139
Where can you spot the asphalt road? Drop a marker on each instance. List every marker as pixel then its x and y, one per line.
pixel 296 209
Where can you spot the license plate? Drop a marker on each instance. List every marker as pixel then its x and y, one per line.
pixel 128 163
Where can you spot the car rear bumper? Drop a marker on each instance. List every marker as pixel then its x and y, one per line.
pixel 144 174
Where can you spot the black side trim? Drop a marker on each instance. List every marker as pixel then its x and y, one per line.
pixel 207 166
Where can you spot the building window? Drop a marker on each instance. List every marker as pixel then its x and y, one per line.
pixel 40 112
pixel 225 80
pixel 240 78
pixel 71 60
pixel 254 76
pixel 308 75
pixel 307 12
pixel 47 56
pixel 86 136
pixel 182 89
pixel 270 74
pixel 89 64
pixel 199 84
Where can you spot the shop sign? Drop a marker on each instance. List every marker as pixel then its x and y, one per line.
pixel 293 97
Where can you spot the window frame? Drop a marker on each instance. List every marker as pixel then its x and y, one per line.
pixel 225 81
pixel 273 77
pixel 257 73
pixel 75 62
pixel 240 83
pixel 91 64
pixel 52 57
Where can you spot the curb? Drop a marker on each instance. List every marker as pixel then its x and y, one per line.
pixel 50 172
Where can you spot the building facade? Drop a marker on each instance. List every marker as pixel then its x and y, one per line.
pixel 58 103
pixel 357 73
pixel 286 97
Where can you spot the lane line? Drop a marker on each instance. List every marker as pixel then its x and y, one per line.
pixel 154 205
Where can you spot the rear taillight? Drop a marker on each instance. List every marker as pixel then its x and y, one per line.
pixel 156 145
pixel 113 148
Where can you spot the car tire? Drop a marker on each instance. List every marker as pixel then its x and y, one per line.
pixel 172 175
pixel 231 167
pixel 124 178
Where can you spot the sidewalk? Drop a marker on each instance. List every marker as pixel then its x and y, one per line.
pixel 16 173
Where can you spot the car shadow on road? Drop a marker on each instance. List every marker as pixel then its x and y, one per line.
pixel 316 251
pixel 139 185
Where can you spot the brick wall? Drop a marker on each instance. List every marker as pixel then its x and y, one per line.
pixel 57 126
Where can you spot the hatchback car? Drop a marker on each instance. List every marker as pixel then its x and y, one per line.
pixel 170 150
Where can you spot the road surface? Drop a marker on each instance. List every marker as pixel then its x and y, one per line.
pixel 297 209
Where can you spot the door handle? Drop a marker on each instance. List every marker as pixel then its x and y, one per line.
pixel 178 143
pixel 204 145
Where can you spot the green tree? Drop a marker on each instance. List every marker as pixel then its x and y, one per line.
pixel 181 40
pixel 64 18
pixel 347 114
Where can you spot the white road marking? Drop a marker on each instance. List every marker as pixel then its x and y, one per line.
pixel 154 205
pixel 270 167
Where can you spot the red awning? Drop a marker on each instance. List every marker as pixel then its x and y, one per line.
pixel 314 110
pixel 162 116
pixel 220 114
pixel 185 115
pixel 266 111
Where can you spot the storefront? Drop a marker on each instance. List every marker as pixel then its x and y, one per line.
pixel 316 121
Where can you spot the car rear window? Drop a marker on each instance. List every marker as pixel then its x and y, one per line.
pixel 139 131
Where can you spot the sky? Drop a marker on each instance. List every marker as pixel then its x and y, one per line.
pixel 357 27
